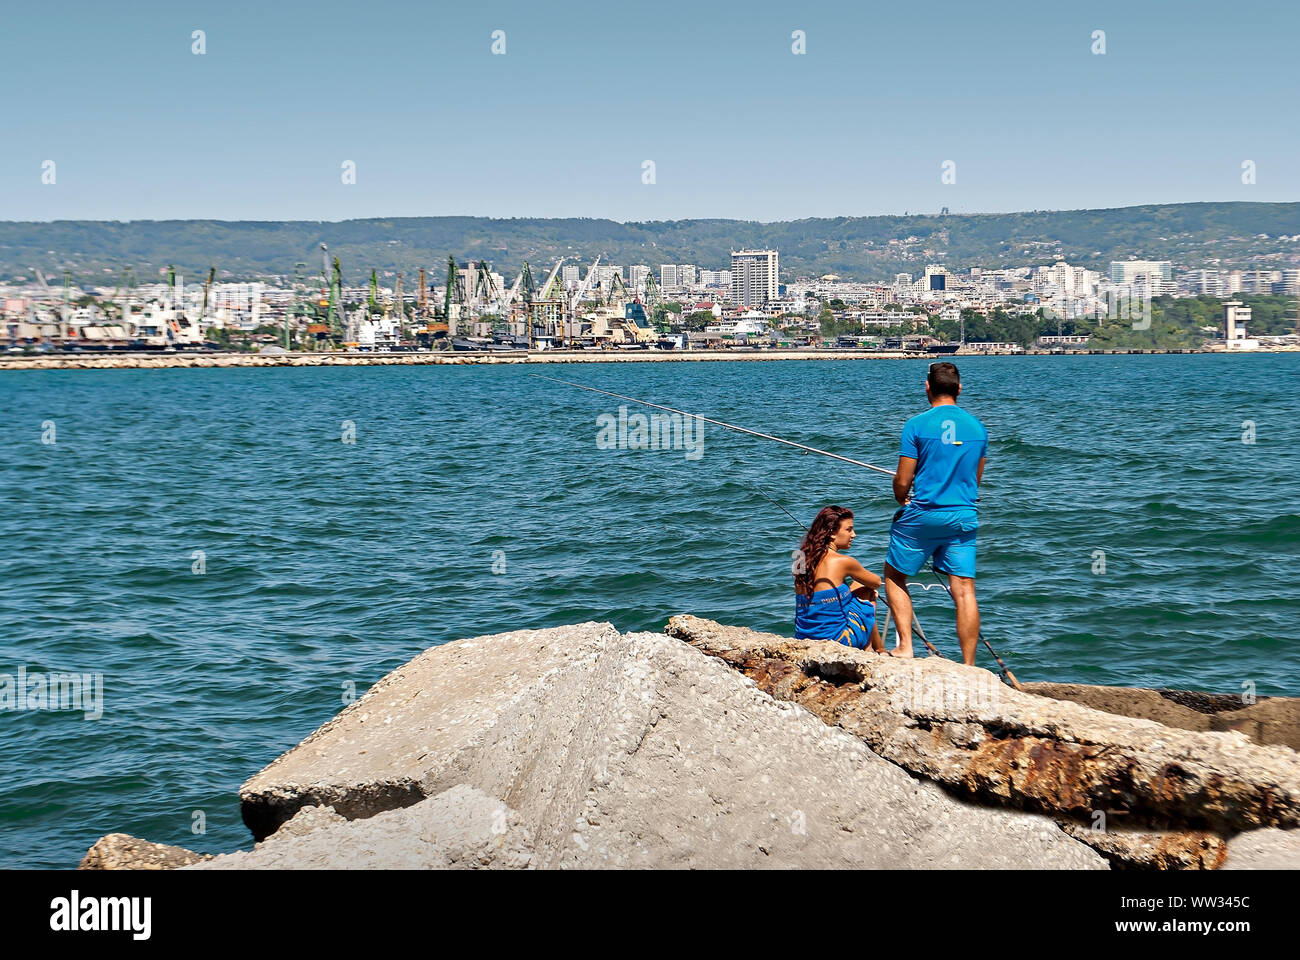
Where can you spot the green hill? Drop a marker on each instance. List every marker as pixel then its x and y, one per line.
pixel 1227 235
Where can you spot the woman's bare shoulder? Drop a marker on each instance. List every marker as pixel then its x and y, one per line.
pixel 836 567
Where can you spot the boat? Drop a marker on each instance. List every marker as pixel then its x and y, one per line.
pixel 509 341
pixel 471 343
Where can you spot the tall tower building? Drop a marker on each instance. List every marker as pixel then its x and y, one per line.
pixel 754 277
pixel 1235 318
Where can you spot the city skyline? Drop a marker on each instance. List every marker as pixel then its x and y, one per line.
pixel 561 122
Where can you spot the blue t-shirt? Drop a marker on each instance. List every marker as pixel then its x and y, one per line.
pixel 947 444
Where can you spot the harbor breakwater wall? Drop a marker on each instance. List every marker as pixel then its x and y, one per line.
pixel 158 361
pixel 714 746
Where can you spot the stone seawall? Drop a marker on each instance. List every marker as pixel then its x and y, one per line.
pixel 155 361
pixel 158 361
pixel 713 746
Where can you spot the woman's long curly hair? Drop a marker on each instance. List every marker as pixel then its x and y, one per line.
pixel 815 544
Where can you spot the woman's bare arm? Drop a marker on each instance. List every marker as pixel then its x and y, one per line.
pixel 863 579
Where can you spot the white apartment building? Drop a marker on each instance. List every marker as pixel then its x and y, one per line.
pixel 935 280
pixel 1258 281
pixel 1155 276
pixel 1202 283
pixel 1065 281
pixel 754 277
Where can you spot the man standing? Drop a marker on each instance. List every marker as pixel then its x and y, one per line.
pixel 941 461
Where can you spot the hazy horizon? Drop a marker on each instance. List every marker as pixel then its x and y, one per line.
pixel 474 216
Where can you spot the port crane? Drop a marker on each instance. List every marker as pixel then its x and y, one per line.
pixel 553 289
pixel 334 299
pixel 483 286
pixel 524 283
pixel 49 295
pixel 455 295
pixel 203 311
pixel 509 297
pixel 399 304
pixel 582 291
pixel 549 290
pixel 617 291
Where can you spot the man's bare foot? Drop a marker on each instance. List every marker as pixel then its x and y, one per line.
pixel 901 653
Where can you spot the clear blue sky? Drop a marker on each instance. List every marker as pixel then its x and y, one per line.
pixel 737 125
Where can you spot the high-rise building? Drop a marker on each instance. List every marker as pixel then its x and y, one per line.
pixel 569 274
pixel 1202 283
pixel 754 277
pixel 1126 271
pixel 1154 277
pixel 1257 281
pixel 685 274
pixel 668 276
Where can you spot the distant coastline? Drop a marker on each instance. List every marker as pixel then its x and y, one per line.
pixel 159 361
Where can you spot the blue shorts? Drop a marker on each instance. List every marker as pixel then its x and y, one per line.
pixel 946 533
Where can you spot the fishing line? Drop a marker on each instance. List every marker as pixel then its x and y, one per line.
pixel 776 504
pixel 1006 673
pixel 719 423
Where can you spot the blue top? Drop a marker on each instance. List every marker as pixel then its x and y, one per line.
pixel 947 444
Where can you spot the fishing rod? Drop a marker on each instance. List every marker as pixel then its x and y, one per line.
pixel 719 423
pixel 1007 675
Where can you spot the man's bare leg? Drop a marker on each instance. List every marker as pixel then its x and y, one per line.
pixel 968 615
pixel 900 609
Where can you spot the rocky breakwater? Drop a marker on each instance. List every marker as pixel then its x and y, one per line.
pixel 713 746
pixel 1143 793
pixel 583 747
pixel 157 361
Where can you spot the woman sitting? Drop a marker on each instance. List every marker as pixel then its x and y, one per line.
pixel 834 612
